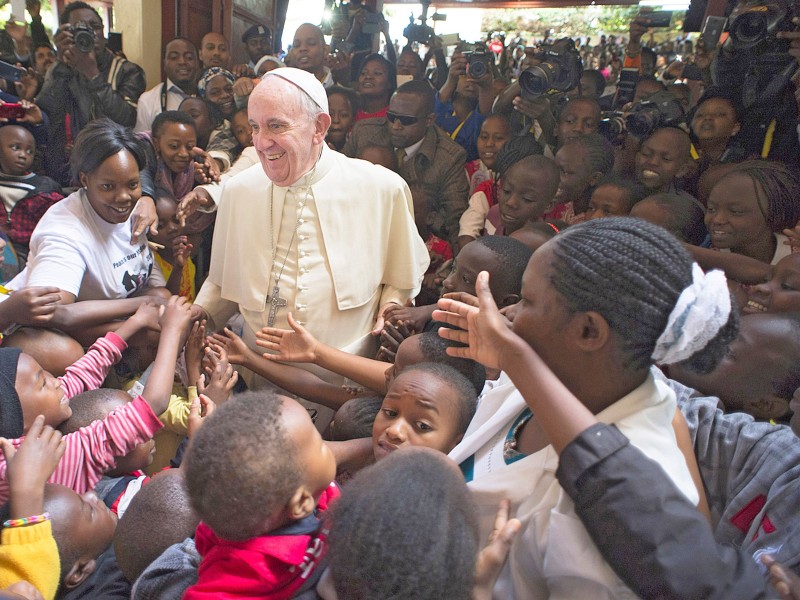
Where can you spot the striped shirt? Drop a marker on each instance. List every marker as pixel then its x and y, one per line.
pixel 90 451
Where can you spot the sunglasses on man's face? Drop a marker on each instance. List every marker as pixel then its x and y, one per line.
pixel 405 120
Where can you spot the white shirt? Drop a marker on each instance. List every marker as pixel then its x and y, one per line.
pixel 150 104
pixel 553 555
pixel 75 250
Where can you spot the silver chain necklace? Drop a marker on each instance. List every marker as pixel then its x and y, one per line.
pixel 274 299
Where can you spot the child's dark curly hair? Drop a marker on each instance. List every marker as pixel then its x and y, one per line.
pixel 240 467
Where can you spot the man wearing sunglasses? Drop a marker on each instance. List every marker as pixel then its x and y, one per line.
pixel 431 163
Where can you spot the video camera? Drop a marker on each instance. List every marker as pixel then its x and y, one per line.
pixel 661 109
pixel 479 60
pixel 559 71
pixel 422 33
pixel 754 24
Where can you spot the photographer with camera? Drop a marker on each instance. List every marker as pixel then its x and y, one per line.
pixel 87 82
pixel 756 64
pixel 466 98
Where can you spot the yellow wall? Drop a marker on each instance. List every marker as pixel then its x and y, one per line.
pixel 139 21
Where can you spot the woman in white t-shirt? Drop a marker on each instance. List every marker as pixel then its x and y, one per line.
pixel 83 245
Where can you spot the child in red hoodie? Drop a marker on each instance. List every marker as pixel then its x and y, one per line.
pixel 259 476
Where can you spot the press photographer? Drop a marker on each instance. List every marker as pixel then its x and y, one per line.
pixel 756 65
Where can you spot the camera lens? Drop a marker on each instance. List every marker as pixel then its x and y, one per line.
pixel 84 40
pixel 749 28
pixel 536 80
pixel 477 68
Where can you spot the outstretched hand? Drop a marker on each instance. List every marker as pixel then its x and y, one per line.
pixel 493 556
pixel 483 328
pixel 295 345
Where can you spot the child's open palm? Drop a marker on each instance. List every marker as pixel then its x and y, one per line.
pixel 219 373
pixel 483 328
pixel 295 345
pixel 233 345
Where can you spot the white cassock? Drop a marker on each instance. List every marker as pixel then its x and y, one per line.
pixel 353 248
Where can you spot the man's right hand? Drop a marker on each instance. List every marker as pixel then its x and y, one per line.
pixel 197 198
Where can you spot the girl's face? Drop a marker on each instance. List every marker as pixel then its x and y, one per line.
pixel 519 198
pixel 418 410
pixel 493 136
pixel 175 143
pixel 781 293
pixel 242 131
pixel 734 215
pixel 219 92
pixel 541 314
pixel 114 187
pixel 342 119
pixel 608 201
pixel 168 225
pixel 198 110
pixel 373 81
pixel 576 173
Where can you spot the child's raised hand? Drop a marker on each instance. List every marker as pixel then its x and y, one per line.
pixel 181 250
pixel 220 374
pixel 793 235
pixel 201 409
pixel 193 350
pixel 391 338
pixel 783 580
pixel 295 345
pixel 31 305
pixel 148 316
pixel 484 329
pixel 234 346
pixel 493 556
pixel 177 314
pixel 31 465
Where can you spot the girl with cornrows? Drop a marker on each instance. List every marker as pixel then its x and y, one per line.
pixel 602 302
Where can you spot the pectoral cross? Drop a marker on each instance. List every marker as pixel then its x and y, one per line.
pixel 276 302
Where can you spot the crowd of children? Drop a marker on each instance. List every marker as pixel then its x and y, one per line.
pixel 594 395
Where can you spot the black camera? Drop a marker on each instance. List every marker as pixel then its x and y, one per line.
pixel 754 23
pixel 83 37
pixel 559 71
pixel 661 109
pixel 479 60
pixel 612 125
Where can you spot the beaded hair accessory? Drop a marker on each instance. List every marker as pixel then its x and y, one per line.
pixel 701 311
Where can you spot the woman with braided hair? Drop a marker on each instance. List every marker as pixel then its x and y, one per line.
pixel 602 302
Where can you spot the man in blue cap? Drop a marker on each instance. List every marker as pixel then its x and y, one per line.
pixel 257 43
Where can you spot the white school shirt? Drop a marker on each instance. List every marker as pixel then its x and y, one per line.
pixel 75 250
pixel 553 555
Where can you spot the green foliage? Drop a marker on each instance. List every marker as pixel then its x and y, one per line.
pixel 580 21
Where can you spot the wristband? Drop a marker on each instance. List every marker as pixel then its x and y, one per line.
pixel 27 521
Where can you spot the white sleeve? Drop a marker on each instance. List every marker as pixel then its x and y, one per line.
pixel 58 261
pixel 471 222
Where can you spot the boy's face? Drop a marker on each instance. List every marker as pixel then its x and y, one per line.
pixel 418 410
pixel 241 129
pixel 40 393
pixel 342 119
pixel 85 520
pixel 576 173
pixel 314 456
pixel 662 158
pixel 754 376
pixel 520 196
pixel 17 149
pixel 608 201
pixel 473 258
pixel 580 117
pixel 781 293
pixel 168 225
pixel 494 134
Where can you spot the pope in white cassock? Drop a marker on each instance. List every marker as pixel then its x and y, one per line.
pixel 309 231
